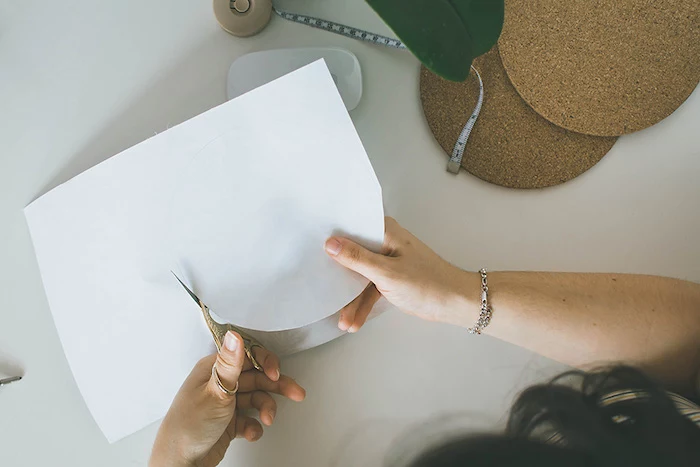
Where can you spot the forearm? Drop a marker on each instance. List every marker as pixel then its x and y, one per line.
pixel 583 319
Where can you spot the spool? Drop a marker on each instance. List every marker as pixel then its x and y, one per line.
pixel 243 18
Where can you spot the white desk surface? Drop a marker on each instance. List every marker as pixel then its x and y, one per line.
pixel 82 80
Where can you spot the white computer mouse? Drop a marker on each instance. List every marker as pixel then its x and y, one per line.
pixel 257 68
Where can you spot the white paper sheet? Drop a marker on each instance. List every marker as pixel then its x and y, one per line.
pixel 239 200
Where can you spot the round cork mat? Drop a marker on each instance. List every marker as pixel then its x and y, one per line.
pixel 603 67
pixel 510 145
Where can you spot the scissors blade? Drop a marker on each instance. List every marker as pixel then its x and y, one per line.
pixel 194 297
pixel 9 380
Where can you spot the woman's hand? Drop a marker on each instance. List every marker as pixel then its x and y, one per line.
pixel 203 419
pixel 575 318
pixel 409 274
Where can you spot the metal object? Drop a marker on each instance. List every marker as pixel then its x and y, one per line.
pixel 240 6
pixel 12 379
pixel 243 18
pixel 218 330
pixel 486 312
pixel 224 389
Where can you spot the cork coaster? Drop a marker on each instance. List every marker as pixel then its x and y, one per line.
pixel 511 145
pixel 608 67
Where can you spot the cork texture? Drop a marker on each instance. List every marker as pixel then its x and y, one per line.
pixel 602 67
pixel 510 145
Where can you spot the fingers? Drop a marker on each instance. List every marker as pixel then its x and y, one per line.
pixel 356 258
pixel 355 313
pixel 361 260
pixel 368 298
pixel 256 381
pixel 269 362
pixel 262 402
pixel 248 428
pixel 393 235
pixel 229 364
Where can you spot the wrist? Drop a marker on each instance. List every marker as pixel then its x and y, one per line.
pixel 464 304
pixel 165 459
pixel 166 452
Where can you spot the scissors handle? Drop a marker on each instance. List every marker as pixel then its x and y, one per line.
pixel 219 330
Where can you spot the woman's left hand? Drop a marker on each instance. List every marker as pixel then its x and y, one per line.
pixel 203 419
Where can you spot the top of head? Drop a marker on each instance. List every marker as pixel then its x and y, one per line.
pixel 243 17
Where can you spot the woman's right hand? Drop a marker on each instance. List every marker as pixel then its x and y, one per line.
pixel 408 274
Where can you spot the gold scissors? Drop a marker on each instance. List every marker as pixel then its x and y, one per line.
pixel 218 331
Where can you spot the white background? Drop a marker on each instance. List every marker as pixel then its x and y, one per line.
pixel 81 80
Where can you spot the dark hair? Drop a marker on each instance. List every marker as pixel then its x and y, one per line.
pixel 638 431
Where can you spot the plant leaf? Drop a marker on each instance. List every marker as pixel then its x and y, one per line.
pixel 446 35
pixel 483 20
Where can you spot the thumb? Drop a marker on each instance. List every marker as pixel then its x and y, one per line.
pixel 356 258
pixel 229 364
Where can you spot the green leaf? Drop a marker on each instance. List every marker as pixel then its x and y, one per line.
pixel 446 35
pixel 483 20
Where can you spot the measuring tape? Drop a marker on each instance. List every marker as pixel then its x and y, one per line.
pixel 248 17
pixel 455 162
pixel 343 30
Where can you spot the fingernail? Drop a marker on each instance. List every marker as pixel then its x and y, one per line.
pixel 230 342
pixel 333 246
pixel 352 329
pixel 343 325
pixel 277 374
pixel 272 415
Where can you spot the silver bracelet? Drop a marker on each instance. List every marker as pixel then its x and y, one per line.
pixel 485 315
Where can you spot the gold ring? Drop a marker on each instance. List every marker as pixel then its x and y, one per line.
pixel 225 390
